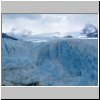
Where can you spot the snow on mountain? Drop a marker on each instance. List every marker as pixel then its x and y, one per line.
pixel 18 31
pixel 90 31
pixel 27 35
pixel 21 34
pixel 57 62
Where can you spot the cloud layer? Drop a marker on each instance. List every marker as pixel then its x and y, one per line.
pixel 44 23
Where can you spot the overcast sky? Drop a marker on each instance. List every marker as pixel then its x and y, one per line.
pixel 44 23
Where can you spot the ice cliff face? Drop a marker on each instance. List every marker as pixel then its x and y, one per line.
pixel 8 37
pixel 56 62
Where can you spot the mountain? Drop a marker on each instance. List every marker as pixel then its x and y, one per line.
pixel 90 31
pixel 76 35
pixel 92 35
pixel 68 36
pixel 57 62
pixel 27 35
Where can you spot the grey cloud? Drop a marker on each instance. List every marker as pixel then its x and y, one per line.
pixel 28 16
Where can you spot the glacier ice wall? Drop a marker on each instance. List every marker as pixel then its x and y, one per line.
pixel 56 62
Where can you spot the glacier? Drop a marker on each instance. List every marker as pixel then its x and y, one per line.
pixel 55 62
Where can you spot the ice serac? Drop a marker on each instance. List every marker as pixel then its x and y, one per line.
pixel 55 62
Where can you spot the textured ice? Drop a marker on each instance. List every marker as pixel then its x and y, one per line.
pixel 56 62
